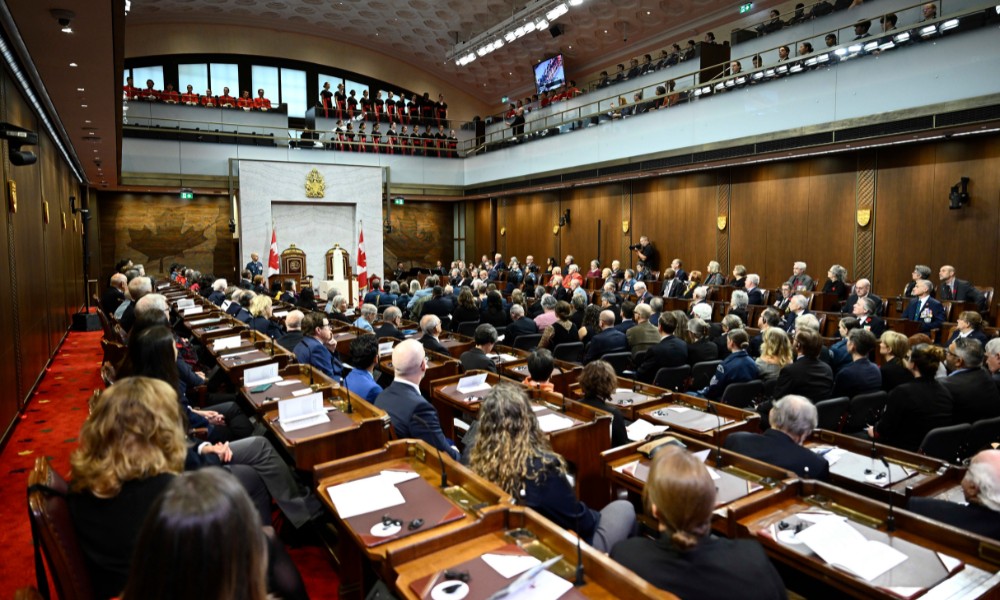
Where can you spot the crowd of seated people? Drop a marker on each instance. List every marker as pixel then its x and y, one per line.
pixel 169 95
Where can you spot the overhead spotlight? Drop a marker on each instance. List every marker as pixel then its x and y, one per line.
pixel 482 51
pixel 840 51
pixel 959 195
pixel 781 70
pixel 886 46
pixel 928 31
pixel 855 48
pixel 901 38
pixel 529 27
pixel 575 2
pixel 871 46
pixel 556 12
pixel 758 76
pixel 497 44
pixel 822 58
pixel 509 36
pixel 949 24
pixel 720 86
pixel 811 62
pixel 64 18
pixel 542 24
pixel 519 32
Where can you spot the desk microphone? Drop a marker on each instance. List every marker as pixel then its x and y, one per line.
pixel 349 407
pixel 272 346
pixel 632 375
pixel 444 472
pixel 890 521
pixel 710 407
pixel 579 553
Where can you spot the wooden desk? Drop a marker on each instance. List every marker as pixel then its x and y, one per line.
pixel 362 429
pixel 741 478
pixel 418 566
pixel 456 344
pixel 920 539
pixel 564 374
pixel 344 336
pixel 468 494
pixel 301 376
pixel 236 363
pixel 630 396
pixel 451 403
pixel 248 339
pixel 223 327
pixel 689 415
pixel 439 366
pixel 912 474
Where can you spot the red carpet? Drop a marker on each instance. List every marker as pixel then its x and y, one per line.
pixel 49 428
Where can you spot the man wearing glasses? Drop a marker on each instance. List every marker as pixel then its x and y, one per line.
pixel 315 349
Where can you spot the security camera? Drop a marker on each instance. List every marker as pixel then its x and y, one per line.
pixel 17 137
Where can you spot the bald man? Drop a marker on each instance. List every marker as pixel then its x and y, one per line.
pixel 607 341
pixel 293 327
pixel 981 486
pixel 115 294
pixel 411 414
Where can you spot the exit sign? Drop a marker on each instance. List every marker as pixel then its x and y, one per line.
pixel 504 100
pixel 745 8
pixel 398 201
pixel 187 195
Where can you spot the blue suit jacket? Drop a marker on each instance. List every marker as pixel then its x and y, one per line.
pixel 857 377
pixel 932 317
pixel 311 351
pixel 363 384
pixel 605 342
pixel 413 416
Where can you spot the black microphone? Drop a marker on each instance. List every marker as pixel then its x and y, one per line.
pixel 890 521
pixel 444 473
pixel 579 553
pixel 311 382
pixel 710 407
pixel 272 345
pixel 350 407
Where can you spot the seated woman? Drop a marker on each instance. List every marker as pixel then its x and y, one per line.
pixel 494 312
pixel 893 346
pixel 598 383
pixel 590 323
pixel 738 367
pixel 701 349
pixel 693 283
pixel 307 299
pixel 969 324
pixel 595 269
pixel 775 353
pixel 738 305
pixel 714 276
pixel 467 311
pixel 260 310
pixel 836 285
pixel 686 559
pixel 540 367
pixel 512 451
pixel 132 445
pixel 838 352
pixel 563 331
pixel 739 277
pixel 915 408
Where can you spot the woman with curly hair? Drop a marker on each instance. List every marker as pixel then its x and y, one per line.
pixel 512 451
pixel 598 383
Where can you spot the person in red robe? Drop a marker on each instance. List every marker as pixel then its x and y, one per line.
pixel 170 95
pixel 245 101
pixel 189 97
pixel 225 100
pixel 260 102
pixel 209 99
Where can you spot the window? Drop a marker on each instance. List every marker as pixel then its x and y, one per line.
pixel 141 74
pixel 359 88
pixel 194 75
pixel 265 78
pixel 293 92
pixel 333 80
pixel 224 76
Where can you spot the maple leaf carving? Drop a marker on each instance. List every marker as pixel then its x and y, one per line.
pixel 169 238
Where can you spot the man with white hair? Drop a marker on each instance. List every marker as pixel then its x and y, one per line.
pixel 981 486
pixel 572 274
pixel 430 326
pixel 922 308
pixel 548 317
pixel 392 320
pixel 519 325
pixel 800 280
pixel 641 293
pixel 862 289
pixel 797 306
pixel 293 335
pixel 137 288
pixel 755 297
pixel 368 314
pixel 412 416
pixel 993 359
pixel 115 294
pixel 218 295
pixel 793 419
pixel 702 311
pixel 698 297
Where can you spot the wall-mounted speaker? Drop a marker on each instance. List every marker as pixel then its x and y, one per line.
pixel 556 30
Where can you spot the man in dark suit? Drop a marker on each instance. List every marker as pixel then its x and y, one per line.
pixel 793 419
pixel 412 416
pixel 519 325
pixel 392 319
pixel 980 485
pixel 864 310
pixel 678 266
pixel 800 280
pixel 293 335
pixel 972 389
pixel 669 352
pixel 770 317
pixel 807 375
pixel 438 305
pixel 993 360
pixel 114 295
pixel 861 375
pixel 137 288
pixel 924 309
pixel 755 297
pixel 862 289
pixel 317 347
pixel 628 317
pixel 607 341
pixel 798 306
pixel 672 286
pixel 430 326
pixel 476 357
pixel 956 289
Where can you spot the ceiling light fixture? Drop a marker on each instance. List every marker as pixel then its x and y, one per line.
pixel 537 15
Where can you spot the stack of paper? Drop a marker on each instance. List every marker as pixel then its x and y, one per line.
pixel 194 310
pixel 642 429
pixel 299 413
pixel 370 494
pixel 473 384
pixel 224 343
pixel 844 547
pixel 261 375
pixel 553 422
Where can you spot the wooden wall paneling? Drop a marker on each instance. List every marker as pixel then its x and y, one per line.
pixel 9 396
pixel 528 222
pixel 831 221
pixel 787 203
pixel 723 198
pixel 750 222
pixel 865 215
pixel 56 269
pixel 587 206
pixel 483 225
pixel 907 228
pixel 422 234
pixel 967 238
pixel 651 215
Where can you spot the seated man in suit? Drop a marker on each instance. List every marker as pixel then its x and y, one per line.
pixel 607 341
pixel 115 294
pixel 956 289
pixel 767 319
pixel 641 292
pixel 800 281
pixel 430 326
pixel 981 486
pixel 755 297
pixel 411 414
pixel 218 295
pixel 973 392
pixel 438 305
pixel 293 327
pixel 369 312
pixel 860 376
pixel 364 356
pixel 628 317
pixel 924 309
pixel 519 325
pixel 862 289
pixel 317 347
pixel 476 357
pixel 392 319
pixel 671 351
pixel 993 359
pixel 672 286
pixel 793 419
pixel 807 375
pixel 643 336
pixel 864 309
pixel 798 306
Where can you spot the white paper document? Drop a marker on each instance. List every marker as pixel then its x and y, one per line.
pixel 473 383
pixel 301 392
pixel 384 348
pixel 185 303
pixel 285 382
pixel 279 314
pixel 366 495
pixel 261 375
pixel 844 547
pixel 304 411
pixel 201 322
pixel 509 565
pixel 194 310
pixel 224 343
pixel 226 304
pixel 503 357
pixel 643 428
pixel 553 422
pixel 163 286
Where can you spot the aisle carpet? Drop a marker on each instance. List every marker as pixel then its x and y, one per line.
pixel 49 428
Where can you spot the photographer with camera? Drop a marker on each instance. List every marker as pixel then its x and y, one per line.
pixel 645 251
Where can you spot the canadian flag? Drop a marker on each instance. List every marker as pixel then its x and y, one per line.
pixel 362 266
pixel 272 259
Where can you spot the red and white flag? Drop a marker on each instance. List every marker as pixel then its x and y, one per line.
pixel 272 259
pixel 362 266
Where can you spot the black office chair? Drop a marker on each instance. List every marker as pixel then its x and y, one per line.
pixel 619 361
pixel 832 413
pixel 467 328
pixel 985 433
pixel 569 351
pixel 701 373
pixel 742 395
pixel 947 443
pixel 865 410
pixel 673 378
pixel 527 342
